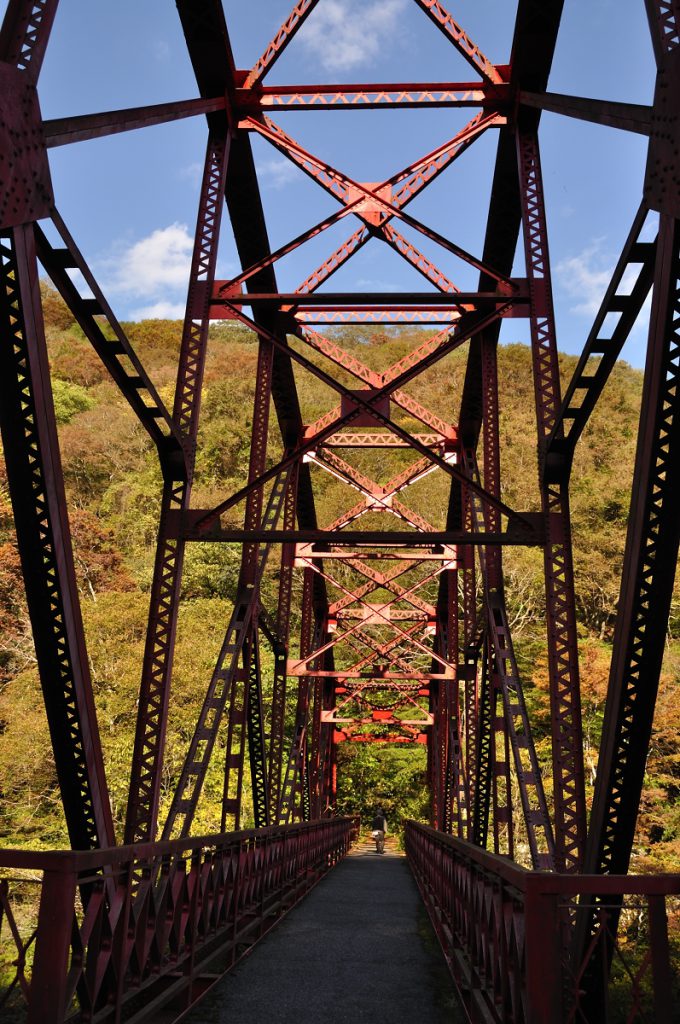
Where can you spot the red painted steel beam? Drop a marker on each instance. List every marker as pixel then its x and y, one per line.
pixel 651 553
pixel 30 441
pixel 381 614
pixel 375 440
pixel 336 317
pixel 358 554
pixel 411 180
pixel 31 451
pixel 281 40
pixel 423 264
pixel 460 39
pixel 210 51
pixel 378 499
pixel 343 188
pixel 380 300
pixel 367 406
pixel 226 686
pixel 24 34
pixel 344 673
pixel 631 117
pixel 533 47
pixel 517 721
pixel 280 647
pixel 382 96
pixel 350 362
pixel 155 687
pixel 61 131
pixel 562 636
pixel 383 581
pixel 528 531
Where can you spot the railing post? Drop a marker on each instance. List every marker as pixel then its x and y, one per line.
pixel 661 967
pixel 48 992
pixel 543 953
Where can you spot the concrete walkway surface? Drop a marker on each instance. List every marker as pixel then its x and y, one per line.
pixel 359 947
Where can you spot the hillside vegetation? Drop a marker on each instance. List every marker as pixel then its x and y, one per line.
pixel 113 486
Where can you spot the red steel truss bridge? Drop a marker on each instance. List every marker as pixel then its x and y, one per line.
pixel 402 634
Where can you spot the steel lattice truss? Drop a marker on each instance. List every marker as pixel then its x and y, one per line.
pixel 404 631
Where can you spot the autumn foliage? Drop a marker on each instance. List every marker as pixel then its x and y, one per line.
pixel 113 489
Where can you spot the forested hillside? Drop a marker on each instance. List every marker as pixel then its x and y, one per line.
pixel 113 486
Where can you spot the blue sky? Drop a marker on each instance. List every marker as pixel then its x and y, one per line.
pixel 130 200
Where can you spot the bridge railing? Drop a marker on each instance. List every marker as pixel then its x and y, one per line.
pixel 507 935
pixel 108 935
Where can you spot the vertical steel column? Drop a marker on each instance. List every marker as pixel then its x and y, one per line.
pixel 432 760
pixel 328 753
pixel 237 692
pixel 446 714
pixel 281 652
pixel 315 771
pixel 255 719
pixel 458 793
pixel 492 459
pixel 249 581
pixel 481 798
pixel 29 435
pixel 469 650
pixel 499 759
pixel 439 741
pixel 292 791
pixel 438 733
pixel 333 774
pixel 224 686
pixel 501 789
pixel 147 760
pixel 517 721
pixel 471 704
pixel 456 799
pixel 565 701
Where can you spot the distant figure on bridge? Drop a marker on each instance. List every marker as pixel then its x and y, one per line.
pixel 379 829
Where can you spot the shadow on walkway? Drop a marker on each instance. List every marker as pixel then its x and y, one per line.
pixel 359 948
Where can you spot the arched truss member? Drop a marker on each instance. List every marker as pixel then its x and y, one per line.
pixel 423 621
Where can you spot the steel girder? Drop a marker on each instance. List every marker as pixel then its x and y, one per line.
pixel 31 447
pixel 409 640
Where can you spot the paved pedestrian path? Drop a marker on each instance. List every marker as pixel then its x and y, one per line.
pixel 358 948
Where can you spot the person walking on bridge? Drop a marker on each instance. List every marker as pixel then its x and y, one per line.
pixel 379 830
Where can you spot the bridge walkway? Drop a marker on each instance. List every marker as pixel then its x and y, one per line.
pixel 359 947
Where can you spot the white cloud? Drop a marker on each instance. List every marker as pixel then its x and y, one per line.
pixel 154 265
pixel 81 284
pixel 161 50
pixel 342 34
pixel 277 172
pixel 585 277
pixel 161 310
pixel 191 172
pixel 376 285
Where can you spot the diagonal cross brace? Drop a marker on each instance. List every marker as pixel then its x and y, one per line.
pixel 389 622
pixel 278 44
pixel 412 180
pixel 341 187
pixel 368 406
pixel 437 13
